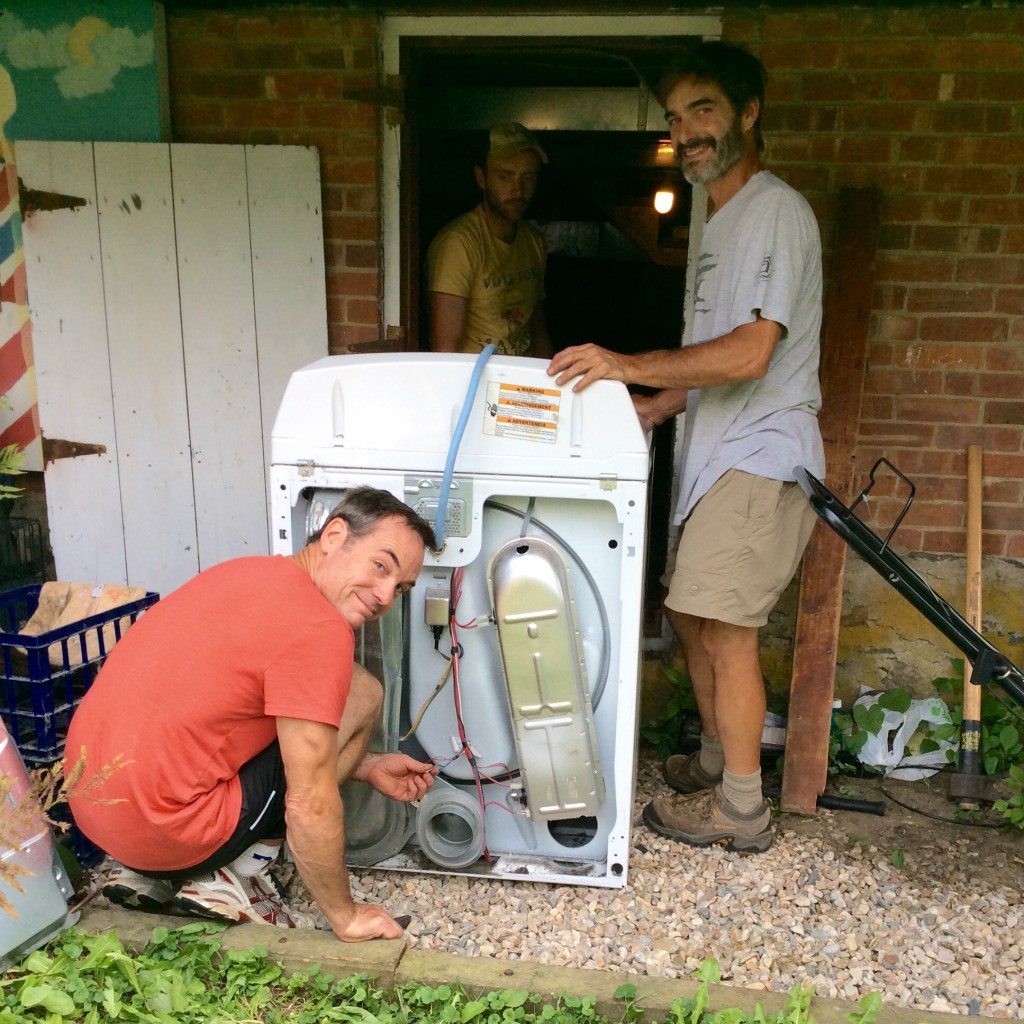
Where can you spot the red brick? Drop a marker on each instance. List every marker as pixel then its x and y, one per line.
pixel 348 283
pixel 916 87
pixel 190 115
pixel 996 211
pixel 268 28
pixel 1001 518
pixel 972 117
pixel 1000 85
pixel 897 434
pixel 359 199
pixel 949 300
pixel 992 438
pixel 892 381
pixel 307 85
pixel 970 151
pixel 867 149
pixel 975 181
pixel 266 57
pixel 979 54
pixel 339 116
pixel 353 334
pixel 920 356
pixel 897 54
pixel 935 209
pixel 957 239
pixel 840 86
pixel 1004 413
pixel 799 55
pixel 897 328
pixel 877 407
pixel 351 172
pixel 1010 300
pixel 361 311
pixel 1006 358
pixel 1003 492
pixel 964 329
pixel 232 85
pixel 991 269
pixel 983 385
pixel 914 268
pixel 361 256
pixel 937 409
pixel 261 114
pixel 917 149
pixel 884 117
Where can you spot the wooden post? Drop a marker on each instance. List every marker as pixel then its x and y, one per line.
pixel 843 358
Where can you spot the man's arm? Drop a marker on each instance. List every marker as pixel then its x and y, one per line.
pixel 742 354
pixel 447 321
pixel 316 830
pixel 653 410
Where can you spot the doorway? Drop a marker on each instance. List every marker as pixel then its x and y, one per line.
pixel 616 268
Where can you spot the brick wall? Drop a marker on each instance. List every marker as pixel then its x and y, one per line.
pixel 923 102
pixel 296 76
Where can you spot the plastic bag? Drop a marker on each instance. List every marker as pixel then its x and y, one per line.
pixel 891 747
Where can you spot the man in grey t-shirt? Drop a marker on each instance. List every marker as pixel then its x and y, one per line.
pixel 748 384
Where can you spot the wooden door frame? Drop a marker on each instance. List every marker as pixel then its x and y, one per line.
pixel 399 232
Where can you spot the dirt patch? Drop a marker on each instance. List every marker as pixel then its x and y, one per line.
pixel 922 828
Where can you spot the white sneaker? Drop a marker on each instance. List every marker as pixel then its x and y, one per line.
pixel 227 896
pixel 127 888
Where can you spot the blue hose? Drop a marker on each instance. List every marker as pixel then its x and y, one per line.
pixel 453 448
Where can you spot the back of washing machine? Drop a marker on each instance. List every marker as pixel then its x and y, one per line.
pixel 513 664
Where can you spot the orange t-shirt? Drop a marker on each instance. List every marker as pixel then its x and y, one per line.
pixel 190 693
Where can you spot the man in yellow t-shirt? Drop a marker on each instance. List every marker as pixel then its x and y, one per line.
pixel 485 270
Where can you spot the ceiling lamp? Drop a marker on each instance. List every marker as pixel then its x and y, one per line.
pixel 664 200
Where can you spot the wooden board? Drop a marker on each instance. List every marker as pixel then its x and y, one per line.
pixel 172 308
pixel 65 280
pixel 147 376
pixel 219 342
pixel 844 354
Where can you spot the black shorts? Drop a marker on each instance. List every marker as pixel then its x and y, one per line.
pixel 261 816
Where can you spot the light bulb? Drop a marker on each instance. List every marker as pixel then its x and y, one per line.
pixel 664 200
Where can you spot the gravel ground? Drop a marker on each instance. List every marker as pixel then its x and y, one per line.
pixel 838 915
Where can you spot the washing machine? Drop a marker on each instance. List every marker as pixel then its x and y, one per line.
pixel 513 664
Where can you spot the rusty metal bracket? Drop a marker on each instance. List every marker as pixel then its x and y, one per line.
pixel 32 200
pixel 55 448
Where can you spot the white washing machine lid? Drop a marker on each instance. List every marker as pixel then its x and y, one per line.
pixel 400 411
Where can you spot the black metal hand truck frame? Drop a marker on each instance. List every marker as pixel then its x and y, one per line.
pixel 988 664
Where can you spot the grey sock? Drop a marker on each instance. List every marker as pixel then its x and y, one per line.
pixel 711 757
pixel 743 791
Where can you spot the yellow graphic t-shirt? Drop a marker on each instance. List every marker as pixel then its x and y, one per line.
pixel 503 282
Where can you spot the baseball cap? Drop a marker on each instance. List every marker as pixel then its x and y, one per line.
pixel 510 138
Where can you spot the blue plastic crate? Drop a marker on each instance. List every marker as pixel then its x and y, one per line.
pixel 43 678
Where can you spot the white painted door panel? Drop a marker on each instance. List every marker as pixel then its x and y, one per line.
pixel 168 314
pixel 289 285
pixel 219 336
pixel 140 285
pixel 63 265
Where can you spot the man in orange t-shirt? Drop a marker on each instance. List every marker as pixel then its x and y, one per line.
pixel 236 710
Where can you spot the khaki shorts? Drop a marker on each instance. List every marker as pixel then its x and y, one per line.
pixel 739 548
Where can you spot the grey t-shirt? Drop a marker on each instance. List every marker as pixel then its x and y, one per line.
pixel 760 255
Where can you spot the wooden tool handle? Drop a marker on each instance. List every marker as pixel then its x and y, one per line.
pixel 972 693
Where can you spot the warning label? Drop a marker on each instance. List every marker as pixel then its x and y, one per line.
pixel 525 413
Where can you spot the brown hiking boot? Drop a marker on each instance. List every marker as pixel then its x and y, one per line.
pixel 684 774
pixel 707 819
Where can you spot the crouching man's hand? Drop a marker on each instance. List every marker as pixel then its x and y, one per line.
pixel 396 775
pixel 367 921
